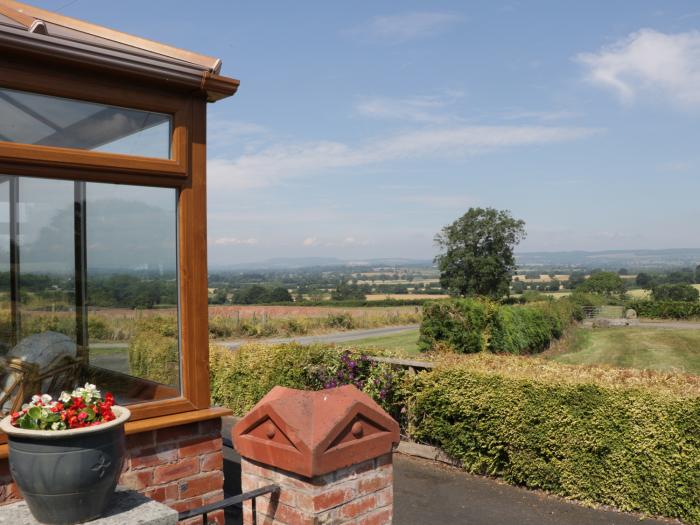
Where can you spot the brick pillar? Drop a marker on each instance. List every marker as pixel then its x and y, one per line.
pixel 330 452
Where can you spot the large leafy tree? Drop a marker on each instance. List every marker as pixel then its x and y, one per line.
pixel 477 252
pixel 605 283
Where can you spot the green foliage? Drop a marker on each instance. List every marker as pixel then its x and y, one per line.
pixel 644 280
pixel 342 321
pixel 461 324
pixel 240 379
pixel 474 325
pixel 153 351
pixel 676 292
pixel 604 283
pixel 258 294
pixel 349 292
pixel 665 309
pixel 477 256
pixel 610 437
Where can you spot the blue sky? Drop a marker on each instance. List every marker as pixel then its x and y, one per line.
pixel 361 128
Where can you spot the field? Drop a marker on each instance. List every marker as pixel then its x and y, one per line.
pixel 404 296
pixel 665 350
pixel 403 343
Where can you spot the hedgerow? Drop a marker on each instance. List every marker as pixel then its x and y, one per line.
pixel 474 325
pixel 622 438
pixel 625 438
pixel 240 379
pixel 665 309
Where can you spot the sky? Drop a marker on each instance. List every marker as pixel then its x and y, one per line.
pixel 361 128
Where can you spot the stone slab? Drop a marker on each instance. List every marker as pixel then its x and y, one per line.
pixel 127 507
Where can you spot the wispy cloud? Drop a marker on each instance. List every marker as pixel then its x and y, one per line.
pixel 233 241
pixel 542 116
pixel 282 161
pixel 651 63
pixel 405 26
pixel 424 109
pixel 344 242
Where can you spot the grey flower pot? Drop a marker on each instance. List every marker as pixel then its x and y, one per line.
pixel 67 476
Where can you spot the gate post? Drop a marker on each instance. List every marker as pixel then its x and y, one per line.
pixel 330 452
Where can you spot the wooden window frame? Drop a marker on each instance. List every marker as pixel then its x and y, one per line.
pixel 185 171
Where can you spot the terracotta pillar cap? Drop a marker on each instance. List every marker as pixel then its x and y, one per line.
pixel 314 433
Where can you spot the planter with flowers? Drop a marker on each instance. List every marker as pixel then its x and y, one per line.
pixel 66 455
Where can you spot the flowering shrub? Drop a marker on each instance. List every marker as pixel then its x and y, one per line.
pixel 378 380
pixel 84 407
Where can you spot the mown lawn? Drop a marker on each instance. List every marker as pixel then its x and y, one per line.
pixel 642 348
pixel 405 343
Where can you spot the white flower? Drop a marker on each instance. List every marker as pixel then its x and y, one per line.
pixel 46 399
pixel 35 400
pixel 44 413
pixel 64 397
pixel 56 425
pixel 27 406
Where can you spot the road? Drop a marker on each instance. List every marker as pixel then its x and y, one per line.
pixel 335 337
pixel 119 360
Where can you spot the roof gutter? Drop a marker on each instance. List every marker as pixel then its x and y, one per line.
pixel 173 73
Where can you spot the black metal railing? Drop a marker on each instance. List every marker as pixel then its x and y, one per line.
pixel 229 502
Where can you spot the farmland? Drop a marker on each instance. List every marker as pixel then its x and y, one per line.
pixel 660 349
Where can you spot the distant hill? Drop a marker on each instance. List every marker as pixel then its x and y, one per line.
pixel 613 259
pixel 295 263
pixel 610 259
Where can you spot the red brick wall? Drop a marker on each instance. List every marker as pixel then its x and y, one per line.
pixel 181 467
pixel 360 495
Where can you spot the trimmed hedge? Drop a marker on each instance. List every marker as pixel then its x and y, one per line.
pixel 665 309
pixel 240 379
pixel 625 438
pixel 474 325
pixel 153 351
pixel 615 437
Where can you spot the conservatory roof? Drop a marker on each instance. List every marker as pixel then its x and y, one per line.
pixel 28 29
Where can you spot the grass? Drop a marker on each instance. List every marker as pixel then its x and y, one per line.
pixel 664 350
pixel 404 343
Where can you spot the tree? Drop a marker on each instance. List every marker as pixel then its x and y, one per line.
pixel 477 252
pixel 644 280
pixel 697 274
pixel 623 271
pixel 345 291
pixel 683 276
pixel 575 279
pixel 676 292
pixel 280 294
pixel 605 283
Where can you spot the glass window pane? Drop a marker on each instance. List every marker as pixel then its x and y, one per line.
pixel 29 118
pixel 132 284
pixel 88 289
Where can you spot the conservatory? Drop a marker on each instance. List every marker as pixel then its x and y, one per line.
pixel 103 247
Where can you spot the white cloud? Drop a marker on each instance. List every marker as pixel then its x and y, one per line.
pixel 650 63
pixel 279 162
pixel 406 26
pixel 426 109
pixel 233 241
pixel 310 241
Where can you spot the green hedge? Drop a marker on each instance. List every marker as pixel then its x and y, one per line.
pixel 474 325
pixel 622 438
pixel 665 309
pixel 240 379
pixel 153 351
pixel 626 438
